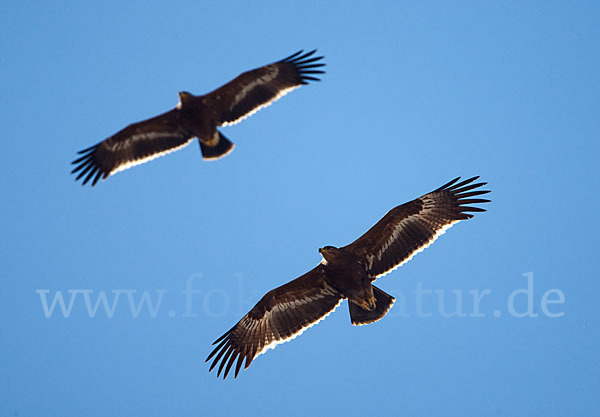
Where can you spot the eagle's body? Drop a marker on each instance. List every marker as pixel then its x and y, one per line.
pixel 347 273
pixel 197 117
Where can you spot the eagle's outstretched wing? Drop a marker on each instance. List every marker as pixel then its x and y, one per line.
pixel 408 229
pixel 255 89
pixel 137 143
pixel 279 316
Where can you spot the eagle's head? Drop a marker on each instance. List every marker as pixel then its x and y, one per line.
pixel 328 253
pixel 184 98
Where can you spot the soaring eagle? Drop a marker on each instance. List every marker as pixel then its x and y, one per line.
pixel 347 272
pixel 198 116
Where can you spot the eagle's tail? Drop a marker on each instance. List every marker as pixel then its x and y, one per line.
pixel 223 147
pixel 383 303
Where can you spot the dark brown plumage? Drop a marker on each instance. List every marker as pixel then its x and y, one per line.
pixel 347 272
pixel 197 116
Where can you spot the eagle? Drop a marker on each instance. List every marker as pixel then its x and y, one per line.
pixel 347 273
pixel 198 117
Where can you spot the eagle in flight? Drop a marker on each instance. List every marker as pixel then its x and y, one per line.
pixel 198 116
pixel 347 272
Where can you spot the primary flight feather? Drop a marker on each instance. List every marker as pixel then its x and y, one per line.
pixel 197 117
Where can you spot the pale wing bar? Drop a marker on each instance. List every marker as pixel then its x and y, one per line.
pixel 138 143
pixel 410 228
pixel 259 88
pixel 288 317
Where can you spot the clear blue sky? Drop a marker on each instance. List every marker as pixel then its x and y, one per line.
pixel 416 93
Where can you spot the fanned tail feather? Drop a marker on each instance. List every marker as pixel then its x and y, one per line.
pixel 383 303
pixel 222 148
